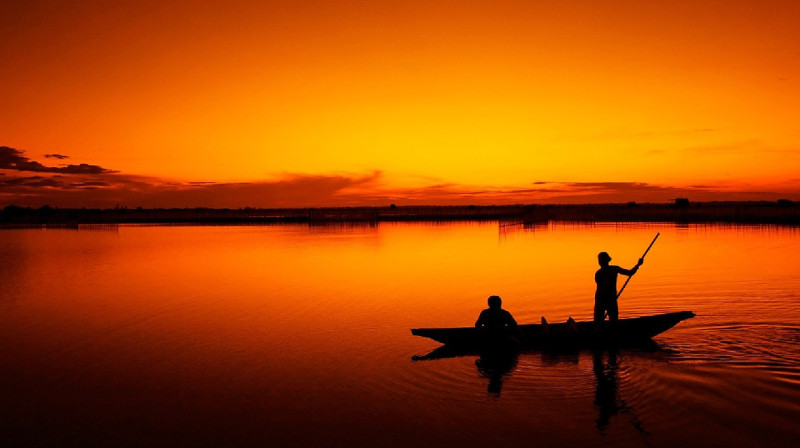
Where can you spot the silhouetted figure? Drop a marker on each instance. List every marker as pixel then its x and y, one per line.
pixel 495 318
pixel 496 365
pixel 605 394
pixel 605 298
pixel 498 355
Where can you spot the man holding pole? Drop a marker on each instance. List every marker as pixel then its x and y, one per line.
pixel 605 298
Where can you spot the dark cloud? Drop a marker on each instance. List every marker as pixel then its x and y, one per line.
pixel 603 185
pixel 29 183
pixel 14 159
pixel 293 190
pixel 56 156
pixel 91 184
pixel 108 190
pixel 54 182
pixel 616 192
pixel 576 193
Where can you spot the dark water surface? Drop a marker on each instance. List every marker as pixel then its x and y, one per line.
pixel 299 336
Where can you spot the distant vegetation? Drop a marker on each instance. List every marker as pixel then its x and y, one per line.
pixel 681 211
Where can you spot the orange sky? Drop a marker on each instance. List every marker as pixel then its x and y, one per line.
pixel 308 103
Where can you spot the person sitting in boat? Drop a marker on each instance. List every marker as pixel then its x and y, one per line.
pixel 605 297
pixel 495 317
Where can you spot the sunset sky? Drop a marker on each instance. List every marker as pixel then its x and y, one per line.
pixel 320 103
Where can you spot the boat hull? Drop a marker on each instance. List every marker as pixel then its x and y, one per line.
pixel 569 334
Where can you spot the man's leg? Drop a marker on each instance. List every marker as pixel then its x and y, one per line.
pixel 613 311
pixel 599 311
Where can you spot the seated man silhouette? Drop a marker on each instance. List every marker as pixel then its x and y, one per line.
pixel 495 318
pixel 605 297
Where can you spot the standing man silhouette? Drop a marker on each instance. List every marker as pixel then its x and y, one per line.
pixel 605 297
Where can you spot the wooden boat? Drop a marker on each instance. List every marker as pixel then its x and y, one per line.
pixel 571 334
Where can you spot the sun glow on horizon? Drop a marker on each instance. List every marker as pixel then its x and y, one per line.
pixel 469 95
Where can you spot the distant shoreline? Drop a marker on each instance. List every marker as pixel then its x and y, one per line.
pixel 781 212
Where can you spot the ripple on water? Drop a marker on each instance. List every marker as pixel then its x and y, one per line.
pixel 747 344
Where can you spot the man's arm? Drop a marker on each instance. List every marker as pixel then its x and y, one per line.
pixel 510 320
pixel 630 272
pixel 480 322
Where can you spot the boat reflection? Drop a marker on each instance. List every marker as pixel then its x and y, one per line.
pixel 496 365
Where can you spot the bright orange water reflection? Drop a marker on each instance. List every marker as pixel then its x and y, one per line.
pixel 268 330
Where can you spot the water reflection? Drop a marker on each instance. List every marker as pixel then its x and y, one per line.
pixel 445 352
pixel 605 396
pixel 605 364
pixel 201 348
pixel 606 368
pixel 493 364
pixel 496 365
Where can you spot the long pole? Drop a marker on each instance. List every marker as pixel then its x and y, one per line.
pixel 643 255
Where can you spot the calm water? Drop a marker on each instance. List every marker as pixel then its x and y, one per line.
pixel 299 336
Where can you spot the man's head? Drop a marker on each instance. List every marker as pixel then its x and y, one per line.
pixel 603 258
pixel 495 302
